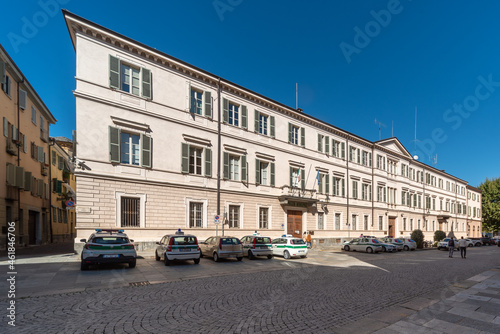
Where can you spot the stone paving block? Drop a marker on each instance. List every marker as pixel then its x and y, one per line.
pixel 407 327
pixel 496 320
pixel 449 328
pixel 449 317
pixel 392 314
pixel 419 303
pixel 488 327
pixel 472 315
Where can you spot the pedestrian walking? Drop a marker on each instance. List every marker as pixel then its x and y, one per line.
pixel 309 240
pixel 462 243
pixel 451 247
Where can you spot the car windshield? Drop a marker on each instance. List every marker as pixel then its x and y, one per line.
pixel 375 241
pixel 184 240
pixel 262 240
pixel 397 240
pixel 110 240
pixel 412 240
pixel 297 242
pixel 230 241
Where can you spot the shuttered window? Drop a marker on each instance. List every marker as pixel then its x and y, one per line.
pixel 130 79
pixel 130 148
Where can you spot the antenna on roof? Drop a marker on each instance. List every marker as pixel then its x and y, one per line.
pixel 380 124
pixel 296 95
pixel 433 159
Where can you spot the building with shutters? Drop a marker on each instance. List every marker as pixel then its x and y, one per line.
pixel 63 185
pixel 24 167
pixel 147 130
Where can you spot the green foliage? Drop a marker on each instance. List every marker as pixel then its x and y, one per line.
pixel 439 235
pixel 491 204
pixel 418 236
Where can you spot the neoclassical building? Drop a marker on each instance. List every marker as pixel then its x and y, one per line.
pixel 164 145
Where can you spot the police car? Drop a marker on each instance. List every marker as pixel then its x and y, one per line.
pixel 288 246
pixel 108 246
pixel 369 245
pixel 178 246
pixel 257 245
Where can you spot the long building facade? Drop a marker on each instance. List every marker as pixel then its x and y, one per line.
pixel 152 158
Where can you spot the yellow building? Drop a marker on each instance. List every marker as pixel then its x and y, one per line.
pixel 24 158
pixel 63 187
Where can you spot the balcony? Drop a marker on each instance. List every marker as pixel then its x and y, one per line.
pixel 296 196
pixel 11 147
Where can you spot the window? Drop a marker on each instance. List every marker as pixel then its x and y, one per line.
pixel 33 115
pixel 234 168
pixel 321 217
pixel 411 224
pixel 264 173
pixel 338 186
pixel 295 177
pixel 130 212
pixel 352 153
pixel 380 223
pixel 195 214
pixel 323 183
pixel 338 149
pixel 381 194
pixel 195 160
pixel 366 192
pixel 131 79
pixel 129 148
pixel 366 158
pixel 337 221
pixel 326 146
pixel 354 189
pixel 365 223
pixel 380 162
pixel 196 102
pixel 234 216
pixel 264 124
pixel 353 223
pixel 294 135
pixel 192 161
pixel 404 224
pixel 233 114
pixel 6 85
pixel 263 218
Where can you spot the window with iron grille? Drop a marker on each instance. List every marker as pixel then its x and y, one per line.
pixel 195 214
pixel 130 212
pixel 263 218
pixel 234 216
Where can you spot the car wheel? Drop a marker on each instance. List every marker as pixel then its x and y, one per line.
pixel 216 257
pixel 84 266
pixel 196 261
pixel 346 248
pixel 132 264
pixel 250 255
pixel 239 258
pixel 269 257
pixel 201 254
pixel 286 254
pixel 157 257
pixel 384 249
pixel 406 248
pixel 167 261
pixel 369 250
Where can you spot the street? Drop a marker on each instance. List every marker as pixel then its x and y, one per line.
pixel 320 294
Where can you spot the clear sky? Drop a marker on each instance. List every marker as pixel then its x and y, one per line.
pixel 354 62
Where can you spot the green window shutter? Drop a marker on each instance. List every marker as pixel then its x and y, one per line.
pixel 59 187
pixel 272 129
pixel 358 156
pixel 54 184
pixel 225 110
pixel 320 184
pixel 343 150
pixel 303 137
pixel 303 179
pixel 146 150
pixel 257 171
pixel 114 72
pixel 327 145
pixel 25 144
pixel 5 127
pixel 208 104
pixel 291 176
pixel 256 121
pixel 369 159
pixel 272 174
pixel 184 158
pixel 320 143
pixel 146 83
pixel 60 163
pixel 225 173
pixel 114 144
pixel 54 157
pixel 327 184
pixel 244 168
pixel 290 127
pixel 2 73
pixel 334 147
pixel 191 99
pixel 27 181
pixel 208 162
pixel 343 188
pixel 244 124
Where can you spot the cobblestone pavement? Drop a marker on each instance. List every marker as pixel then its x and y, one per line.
pixel 329 292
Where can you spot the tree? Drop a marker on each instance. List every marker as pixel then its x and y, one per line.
pixel 491 204
pixel 439 235
pixel 418 237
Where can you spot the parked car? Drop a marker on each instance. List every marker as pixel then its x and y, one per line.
pixel 487 241
pixel 473 243
pixel 108 246
pixel 396 242
pixel 178 246
pixel 257 245
pixel 443 244
pixel 289 246
pixel 369 245
pixel 408 244
pixel 387 247
pixel 222 247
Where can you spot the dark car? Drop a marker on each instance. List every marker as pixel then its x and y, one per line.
pixel 487 241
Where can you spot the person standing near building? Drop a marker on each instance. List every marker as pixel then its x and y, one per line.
pixel 462 243
pixel 309 240
pixel 451 247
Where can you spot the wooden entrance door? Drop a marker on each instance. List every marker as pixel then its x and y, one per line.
pixel 294 223
pixel 392 224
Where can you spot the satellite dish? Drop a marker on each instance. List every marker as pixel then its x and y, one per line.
pixel 415 157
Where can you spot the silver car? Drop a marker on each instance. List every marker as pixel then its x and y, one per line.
pixel 178 246
pixel 394 241
pixel 369 245
pixel 222 247
pixel 256 245
pixel 408 244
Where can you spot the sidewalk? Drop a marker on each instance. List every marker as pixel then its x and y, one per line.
pixel 41 250
pixel 471 306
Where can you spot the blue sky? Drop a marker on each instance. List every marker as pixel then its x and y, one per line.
pixel 354 62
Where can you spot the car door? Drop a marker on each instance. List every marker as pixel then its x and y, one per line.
pixel 354 244
pixel 277 249
pixel 161 247
pixel 204 247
